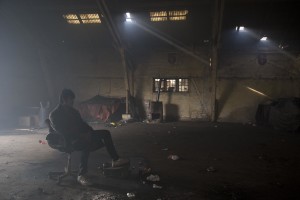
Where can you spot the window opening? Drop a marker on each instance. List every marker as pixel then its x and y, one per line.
pixel 158 16
pixel 92 18
pixel 174 15
pixel 72 18
pixel 183 85
pixel 171 84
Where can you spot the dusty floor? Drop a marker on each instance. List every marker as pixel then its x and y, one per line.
pixel 218 161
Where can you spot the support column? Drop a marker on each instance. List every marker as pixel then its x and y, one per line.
pixel 216 32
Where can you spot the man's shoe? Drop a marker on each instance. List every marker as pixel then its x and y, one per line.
pixel 83 180
pixel 120 162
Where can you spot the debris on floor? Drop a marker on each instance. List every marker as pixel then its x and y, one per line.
pixel 264 170
pixel 173 157
pixel 130 195
pixel 211 169
pixel 157 186
pixel 153 178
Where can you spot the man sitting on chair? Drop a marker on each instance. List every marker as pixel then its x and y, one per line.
pixel 79 136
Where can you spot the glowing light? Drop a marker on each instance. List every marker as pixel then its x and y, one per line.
pixel 178 13
pixel 128 17
pixel 70 16
pixel 91 21
pixel 158 14
pixel 264 38
pixel 85 18
pixel 174 15
pixel 240 28
pixel 158 19
pixel 90 18
pixel 178 18
pixel 257 92
pixel 73 21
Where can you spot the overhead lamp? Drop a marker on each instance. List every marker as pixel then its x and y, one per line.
pixel 263 38
pixel 240 28
pixel 128 17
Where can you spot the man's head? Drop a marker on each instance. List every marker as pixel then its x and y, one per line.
pixel 67 97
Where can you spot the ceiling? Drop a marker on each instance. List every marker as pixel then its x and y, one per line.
pixel 278 19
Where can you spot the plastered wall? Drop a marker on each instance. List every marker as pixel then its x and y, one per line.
pixel 237 75
pixel 91 70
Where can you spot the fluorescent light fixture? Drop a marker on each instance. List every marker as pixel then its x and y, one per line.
pixel 128 20
pixel 257 92
pixel 264 38
pixel 128 15
pixel 236 28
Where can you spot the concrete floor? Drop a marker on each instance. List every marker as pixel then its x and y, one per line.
pixel 245 162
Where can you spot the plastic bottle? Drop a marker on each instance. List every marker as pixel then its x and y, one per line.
pixel 173 157
pixel 42 142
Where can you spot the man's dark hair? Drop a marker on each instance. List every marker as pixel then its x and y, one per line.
pixel 66 93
